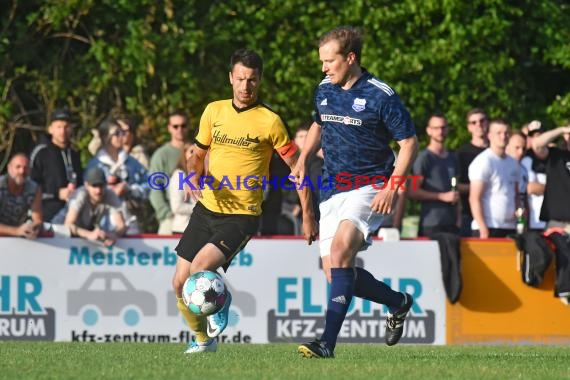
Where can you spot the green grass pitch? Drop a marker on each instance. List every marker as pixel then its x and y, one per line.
pixel 20 360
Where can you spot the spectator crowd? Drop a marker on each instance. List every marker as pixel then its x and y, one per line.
pixel 494 185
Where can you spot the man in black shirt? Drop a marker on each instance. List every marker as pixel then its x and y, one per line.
pixel 56 167
pixel 555 206
pixel 478 126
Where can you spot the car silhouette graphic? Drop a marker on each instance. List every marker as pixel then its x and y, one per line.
pixel 110 294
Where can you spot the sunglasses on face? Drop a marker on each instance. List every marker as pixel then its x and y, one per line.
pixel 119 132
pixel 177 126
pixel 480 121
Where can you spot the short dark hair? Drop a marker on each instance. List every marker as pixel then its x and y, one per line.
pixel 349 39
pixel 131 120
pixel 475 111
pixel 180 113
pixel 104 128
pixel 305 126
pixel 437 114
pixel 499 121
pixel 518 133
pixel 248 58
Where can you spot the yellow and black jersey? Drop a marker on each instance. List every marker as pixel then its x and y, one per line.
pixel 241 142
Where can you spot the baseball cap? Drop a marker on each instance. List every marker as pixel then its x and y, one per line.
pixel 61 114
pixel 534 127
pixel 95 177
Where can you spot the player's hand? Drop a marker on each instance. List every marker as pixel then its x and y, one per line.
pixel 383 201
pixel 299 172
pixel 310 228
pixel 193 192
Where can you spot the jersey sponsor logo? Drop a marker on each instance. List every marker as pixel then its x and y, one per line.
pixel 359 104
pixel 341 119
pixel 224 139
pixel 324 102
pixel 217 124
pixel 253 140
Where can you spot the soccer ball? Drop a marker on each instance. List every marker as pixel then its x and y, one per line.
pixel 204 293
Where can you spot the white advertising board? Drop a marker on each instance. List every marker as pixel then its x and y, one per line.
pixel 64 289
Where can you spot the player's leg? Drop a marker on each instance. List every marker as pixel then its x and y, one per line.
pixel 197 323
pixel 232 234
pixel 339 242
pixel 366 286
pixel 195 237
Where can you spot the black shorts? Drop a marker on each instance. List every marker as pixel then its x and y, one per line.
pixel 229 232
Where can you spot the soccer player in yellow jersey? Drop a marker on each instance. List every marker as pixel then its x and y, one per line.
pixel 240 135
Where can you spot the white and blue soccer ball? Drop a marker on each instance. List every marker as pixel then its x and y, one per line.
pixel 204 293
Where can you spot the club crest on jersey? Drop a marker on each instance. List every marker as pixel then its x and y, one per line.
pixel 359 104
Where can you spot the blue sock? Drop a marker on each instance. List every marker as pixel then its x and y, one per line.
pixel 342 288
pixel 369 288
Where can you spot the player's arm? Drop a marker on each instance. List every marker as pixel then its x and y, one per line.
pixel 312 143
pixel 290 154
pixel 400 208
pixel 384 200
pixel 195 164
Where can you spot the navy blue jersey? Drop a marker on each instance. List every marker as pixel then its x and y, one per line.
pixel 357 126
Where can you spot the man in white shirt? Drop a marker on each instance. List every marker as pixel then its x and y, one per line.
pixel 493 188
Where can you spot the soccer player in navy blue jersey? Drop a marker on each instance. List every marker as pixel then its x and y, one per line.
pixel 357 115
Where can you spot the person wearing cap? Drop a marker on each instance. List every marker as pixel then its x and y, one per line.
pixel 536 169
pixel 94 211
pixel 56 166
pixel 20 200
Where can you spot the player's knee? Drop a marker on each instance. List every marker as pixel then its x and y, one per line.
pixel 326 267
pixel 327 273
pixel 197 266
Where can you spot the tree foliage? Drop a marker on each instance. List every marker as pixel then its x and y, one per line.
pixel 151 57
